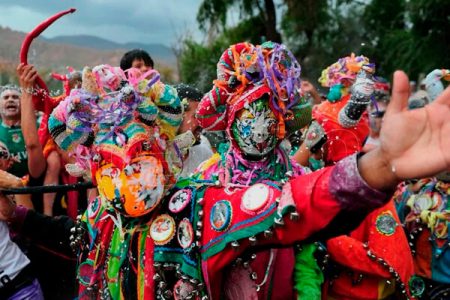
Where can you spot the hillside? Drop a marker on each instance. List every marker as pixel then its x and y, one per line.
pixel 158 51
pixel 78 51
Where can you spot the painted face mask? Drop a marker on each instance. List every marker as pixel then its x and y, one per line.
pixel 134 190
pixel 253 128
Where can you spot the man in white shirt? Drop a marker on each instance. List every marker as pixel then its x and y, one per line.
pixel 16 280
pixel 201 150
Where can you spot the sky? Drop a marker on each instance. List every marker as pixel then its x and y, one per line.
pixel 147 21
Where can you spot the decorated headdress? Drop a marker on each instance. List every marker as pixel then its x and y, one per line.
pixel 433 83
pixel 344 71
pixel 118 128
pixel 246 72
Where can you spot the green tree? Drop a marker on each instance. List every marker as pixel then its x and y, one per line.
pixel 409 35
pixel 198 62
pixel 212 15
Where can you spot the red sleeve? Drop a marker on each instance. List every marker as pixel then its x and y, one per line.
pixel 309 197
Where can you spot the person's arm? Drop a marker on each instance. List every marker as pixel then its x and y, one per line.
pixel 51 232
pixel 36 160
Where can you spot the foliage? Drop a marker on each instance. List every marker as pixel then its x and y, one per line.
pixel 396 34
pixel 198 62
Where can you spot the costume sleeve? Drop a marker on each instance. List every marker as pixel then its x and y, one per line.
pixel 66 129
pixel 325 203
pixel 169 108
pixel 50 232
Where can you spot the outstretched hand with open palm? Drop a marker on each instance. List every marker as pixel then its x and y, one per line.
pixel 413 143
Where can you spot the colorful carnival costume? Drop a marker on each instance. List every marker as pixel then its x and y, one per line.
pixel 200 240
pixel 373 260
pixel 340 125
pixel 424 210
pixel 120 127
pixel 215 234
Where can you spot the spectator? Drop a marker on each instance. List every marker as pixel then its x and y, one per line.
pixel 12 138
pixel 11 133
pixel 137 58
pixel 201 150
pixel 17 280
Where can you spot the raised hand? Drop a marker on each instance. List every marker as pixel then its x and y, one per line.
pixel 414 143
pixel 27 75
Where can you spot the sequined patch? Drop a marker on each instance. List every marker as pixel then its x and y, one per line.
pixel 221 214
pixel 180 200
pixel 183 290
pixel 255 198
pixel 416 286
pixel 162 229
pixel 185 233
pixel 386 223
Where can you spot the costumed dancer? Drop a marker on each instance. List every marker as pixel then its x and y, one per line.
pixel 221 221
pixel 339 125
pixel 210 225
pixel 126 124
pixel 378 262
pixel 425 215
pixel 251 101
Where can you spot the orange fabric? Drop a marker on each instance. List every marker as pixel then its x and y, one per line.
pixel 349 252
pixel 49 147
pixel 341 142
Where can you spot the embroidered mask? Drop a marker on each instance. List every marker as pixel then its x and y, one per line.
pixel 253 128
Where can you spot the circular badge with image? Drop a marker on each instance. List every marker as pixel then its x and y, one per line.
pixel 180 200
pixel 221 214
pixel 386 224
pixel 185 233
pixel 162 229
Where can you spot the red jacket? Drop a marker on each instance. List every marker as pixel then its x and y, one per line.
pixel 370 257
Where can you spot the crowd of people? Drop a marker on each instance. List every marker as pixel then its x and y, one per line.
pixel 261 188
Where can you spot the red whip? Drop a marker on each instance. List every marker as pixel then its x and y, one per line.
pixel 43 93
